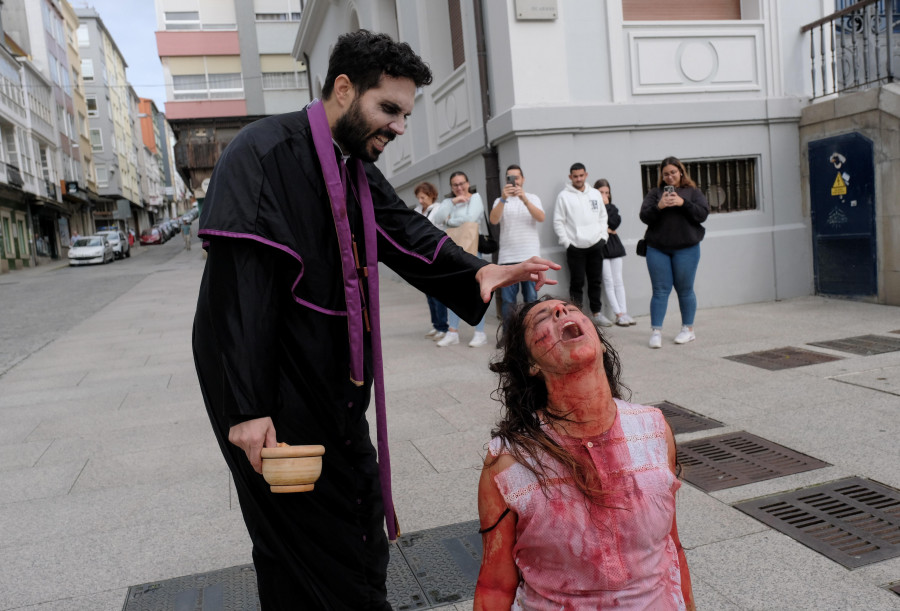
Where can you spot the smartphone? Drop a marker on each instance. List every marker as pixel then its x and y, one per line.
pixel 511 180
pixel 669 189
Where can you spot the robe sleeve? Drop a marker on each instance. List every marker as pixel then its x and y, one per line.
pixel 243 278
pixel 414 248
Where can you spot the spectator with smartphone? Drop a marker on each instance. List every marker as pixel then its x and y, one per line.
pixel 518 213
pixel 673 212
pixel 580 223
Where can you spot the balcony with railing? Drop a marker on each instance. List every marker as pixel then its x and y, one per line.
pixel 854 48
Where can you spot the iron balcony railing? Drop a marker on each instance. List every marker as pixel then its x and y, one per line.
pixel 854 48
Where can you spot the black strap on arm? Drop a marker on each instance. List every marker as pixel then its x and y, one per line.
pixel 496 524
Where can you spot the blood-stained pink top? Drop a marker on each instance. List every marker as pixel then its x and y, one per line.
pixel 575 555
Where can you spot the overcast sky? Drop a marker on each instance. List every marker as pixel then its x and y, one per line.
pixel 132 24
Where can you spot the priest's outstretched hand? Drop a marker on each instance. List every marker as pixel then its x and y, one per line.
pixel 492 277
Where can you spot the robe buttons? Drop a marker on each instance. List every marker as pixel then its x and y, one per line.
pixel 590 444
pixel 350 404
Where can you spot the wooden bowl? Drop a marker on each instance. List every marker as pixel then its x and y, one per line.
pixel 292 468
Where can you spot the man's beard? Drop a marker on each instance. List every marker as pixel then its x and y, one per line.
pixel 353 134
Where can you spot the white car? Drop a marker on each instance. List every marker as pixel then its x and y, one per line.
pixel 119 241
pixel 90 249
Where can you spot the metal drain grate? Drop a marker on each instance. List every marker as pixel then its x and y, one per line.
pixel 683 420
pixel 735 459
pixel 783 358
pixel 232 588
pixel 863 345
pixel 854 521
pixel 427 569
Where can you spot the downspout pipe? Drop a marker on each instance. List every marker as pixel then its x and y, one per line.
pixel 489 153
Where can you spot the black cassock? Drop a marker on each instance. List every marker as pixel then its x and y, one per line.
pixel 271 339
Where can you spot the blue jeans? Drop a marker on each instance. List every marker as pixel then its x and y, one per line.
pixel 509 294
pixel 453 321
pixel 438 314
pixel 670 268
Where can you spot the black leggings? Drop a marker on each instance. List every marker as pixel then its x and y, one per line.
pixel 588 261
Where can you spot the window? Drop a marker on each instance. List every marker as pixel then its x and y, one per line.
pixel 211 87
pixel 456 34
pixel 102 176
pixel 92 109
pixel 7 237
pixel 665 10
pixel 87 69
pixel 96 140
pixel 84 37
pixel 278 16
pixel 728 184
pixel 280 80
pixel 183 20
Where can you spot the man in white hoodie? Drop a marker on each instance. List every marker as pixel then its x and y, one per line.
pixel 579 221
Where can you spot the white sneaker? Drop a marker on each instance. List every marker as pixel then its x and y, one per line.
pixel 431 333
pixel 629 319
pixel 602 320
pixel 450 339
pixel 685 336
pixel 438 336
pixel 478 340
pixel 622 320
pixel 656 339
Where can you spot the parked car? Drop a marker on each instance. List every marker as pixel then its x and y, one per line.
pixel 90 249
pixel 163 232
pixel 151 236
pixel 119 242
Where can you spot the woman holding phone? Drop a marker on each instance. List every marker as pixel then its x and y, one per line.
pixel 673 212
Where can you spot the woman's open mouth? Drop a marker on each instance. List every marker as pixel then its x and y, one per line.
pixel 570 331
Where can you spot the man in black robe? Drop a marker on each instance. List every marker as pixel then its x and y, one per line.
pixel 286 335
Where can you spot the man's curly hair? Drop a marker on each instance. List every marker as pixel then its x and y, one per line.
pixel 364 56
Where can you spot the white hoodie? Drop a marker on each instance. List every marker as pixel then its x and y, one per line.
pixel 579 218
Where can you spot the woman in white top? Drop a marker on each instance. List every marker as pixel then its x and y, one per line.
pixel 463 207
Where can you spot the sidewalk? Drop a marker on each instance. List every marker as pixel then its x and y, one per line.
pixel 111 476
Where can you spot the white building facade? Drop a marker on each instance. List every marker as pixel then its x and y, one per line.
pixel 618 86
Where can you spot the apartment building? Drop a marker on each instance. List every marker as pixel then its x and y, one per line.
pixel 112 112
pixel 617 86
pixel 225 64
pixel 38 133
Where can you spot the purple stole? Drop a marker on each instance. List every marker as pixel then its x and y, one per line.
pixel 353 274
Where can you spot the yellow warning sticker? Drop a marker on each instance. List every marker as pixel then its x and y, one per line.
pixel 839 187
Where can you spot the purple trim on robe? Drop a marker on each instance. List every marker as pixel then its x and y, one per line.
pixel 409 252
pixel 281 247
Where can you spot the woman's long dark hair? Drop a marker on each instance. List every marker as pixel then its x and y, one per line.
pixel 686 180
pixel 524 400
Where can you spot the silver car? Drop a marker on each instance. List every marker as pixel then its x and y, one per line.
pixel 91 249
pixel 119 242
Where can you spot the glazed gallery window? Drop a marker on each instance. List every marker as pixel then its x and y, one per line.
pixel 208 87
pixel 87 69
pixel 730 185
pixel 183 20
pixel 281 80
pixel 102 176
pixel 84 37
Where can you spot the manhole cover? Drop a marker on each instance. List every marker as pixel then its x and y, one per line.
pixel 445 561
pixel 232 588
pixel 863 345
pixel 735 459
pixel 783 358
pixel 854 521
pixel 685 421
pixel 427 569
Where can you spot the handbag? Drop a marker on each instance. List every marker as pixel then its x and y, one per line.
pixel 613 249
pixel 487 244
pixel 641 248
pixel 465 236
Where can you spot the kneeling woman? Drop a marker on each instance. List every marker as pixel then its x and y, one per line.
pixel 577 494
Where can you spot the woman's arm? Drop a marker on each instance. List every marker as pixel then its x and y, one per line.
pixel 686 589
pixel 649 207
pixel 499 577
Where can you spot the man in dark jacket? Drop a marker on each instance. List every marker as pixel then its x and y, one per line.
pixel 286 336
